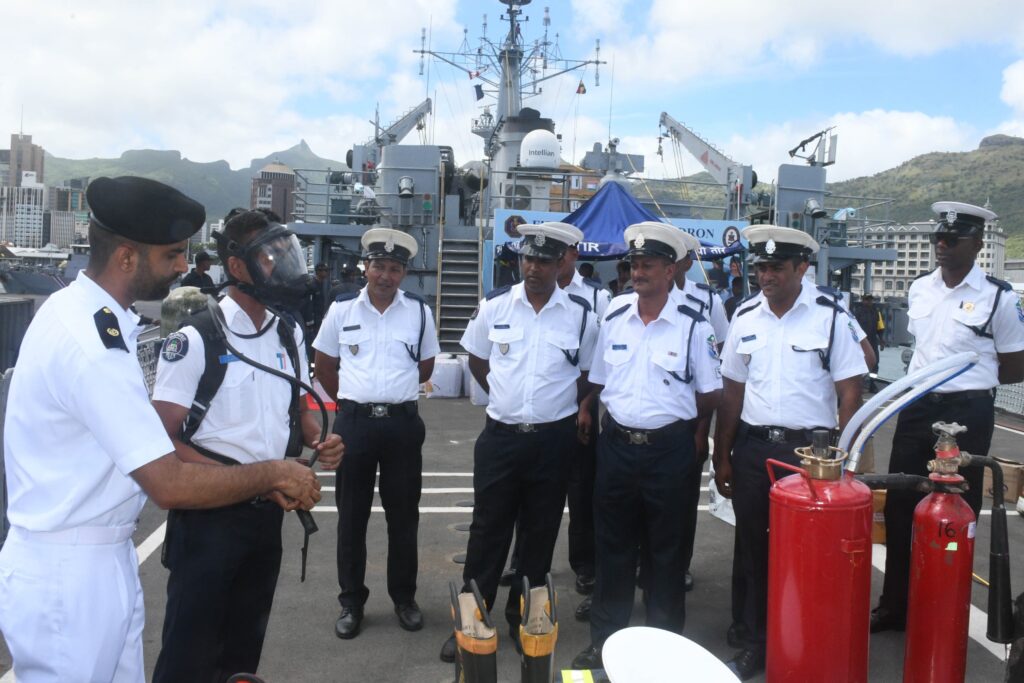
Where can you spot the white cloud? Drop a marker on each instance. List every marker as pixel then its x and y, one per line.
pixel 1013 95
pixel 214 81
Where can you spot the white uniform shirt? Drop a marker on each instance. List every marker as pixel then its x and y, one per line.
pixel 530 379
pixel 703 301
pixel 248 416
pixel 634 362
pixel 597 297
pixel 79 419
pixel 787 387
pixel 374 347
pixel 939 319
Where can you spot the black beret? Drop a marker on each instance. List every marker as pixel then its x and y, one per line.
pixel 144 210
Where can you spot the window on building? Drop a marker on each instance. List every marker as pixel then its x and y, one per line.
pixel 888 284
pixel 899 285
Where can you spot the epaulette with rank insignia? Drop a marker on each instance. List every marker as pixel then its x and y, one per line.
pixel 495 293
pixel 110 331
pixel 416 297
pixel 581 301
pixel 748 309
pixel 686 310
pixel 617 311
pixel 346 296
pixel 1001 284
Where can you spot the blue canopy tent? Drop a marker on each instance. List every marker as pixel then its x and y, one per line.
pixel 604 218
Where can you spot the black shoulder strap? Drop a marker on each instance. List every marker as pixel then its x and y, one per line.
pixel 986 329
pixel 494 293
pixel 695 317
pixel 286 335
pixel 711 295
pixel 418 354
pixel 574 357
pixel 346 296
pixel 826 356
pixel 213 371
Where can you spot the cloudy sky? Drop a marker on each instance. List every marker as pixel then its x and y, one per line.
pixel 237 79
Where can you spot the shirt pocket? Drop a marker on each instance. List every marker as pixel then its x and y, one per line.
pixel 236 390
pixel 618 354
pixel 963 335
pixel 810 348
pixel 746 348
pixel 505 343
pixel 561 343
pixel 404 345
pixel 672 362
pixel 352 343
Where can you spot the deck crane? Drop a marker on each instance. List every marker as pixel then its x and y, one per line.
pixel 739 180
pixel 366 157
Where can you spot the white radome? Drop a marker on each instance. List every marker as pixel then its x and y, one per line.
pixel 540 149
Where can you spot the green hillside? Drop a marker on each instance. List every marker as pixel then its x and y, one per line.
pixel 213 184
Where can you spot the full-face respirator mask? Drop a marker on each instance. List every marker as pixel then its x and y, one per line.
pixel 276 265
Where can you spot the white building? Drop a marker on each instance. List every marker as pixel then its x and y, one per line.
pixel 917 256
pixel 21 215
pixel 61 226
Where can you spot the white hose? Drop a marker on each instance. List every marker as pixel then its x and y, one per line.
pixel 933 375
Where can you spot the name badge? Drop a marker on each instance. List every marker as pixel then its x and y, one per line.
pixel 351 328
pixel 227 358
pixel 618 347
pixel 501 327
pixel 749 337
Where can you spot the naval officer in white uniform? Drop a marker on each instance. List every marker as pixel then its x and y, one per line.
pixel 83 448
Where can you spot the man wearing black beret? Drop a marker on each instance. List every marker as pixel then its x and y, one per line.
pixel 84 447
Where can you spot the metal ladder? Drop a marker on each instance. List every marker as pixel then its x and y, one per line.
pixel 458 290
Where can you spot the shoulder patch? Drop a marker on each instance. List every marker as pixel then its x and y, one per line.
pixel 581 301
pixel 110 331
pixel 495 293
pixel 829 303
pixel 686 310
pixel 1001 284
pixel 346 296
pixel 746 310
pixel 175 347
pixel 416 297
pixel 618 311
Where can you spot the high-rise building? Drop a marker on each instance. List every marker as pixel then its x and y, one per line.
pixel 25 156
pixel 59 228
pixel 21 215
pixel 273 188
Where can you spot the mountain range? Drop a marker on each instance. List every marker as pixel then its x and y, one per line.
pixel 994 173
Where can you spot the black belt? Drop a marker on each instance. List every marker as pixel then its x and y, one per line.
pixel 773 434
pixel 527 427
pixel 638 437
pixel 956 396
pixel 379 409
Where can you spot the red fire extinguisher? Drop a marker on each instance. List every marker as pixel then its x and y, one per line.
pixel 942 559
pixel 819 555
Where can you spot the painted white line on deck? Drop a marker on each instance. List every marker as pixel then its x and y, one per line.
pixel 978 620
pixel 1009 429
pixel 437 510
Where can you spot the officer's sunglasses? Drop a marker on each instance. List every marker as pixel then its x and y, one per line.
pixel 950 239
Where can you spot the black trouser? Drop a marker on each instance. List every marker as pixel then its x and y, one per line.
pixel 223 570
pixel 750 487
pixel 913 446
pixel 517 476
pixel 395 444
pixel 640 498
pixel 581 503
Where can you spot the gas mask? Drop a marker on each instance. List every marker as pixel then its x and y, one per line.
pixel 276 265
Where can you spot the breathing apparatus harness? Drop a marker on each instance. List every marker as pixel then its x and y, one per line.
pixel 278 270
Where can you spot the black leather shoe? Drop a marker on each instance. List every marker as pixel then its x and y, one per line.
pixel 688 582
pixel 507 577
pixel 585 584
pixel 590 658
pixel 737 634
pixel 583 611
pixel 746 664
pixel 347 625
pixel 884 619
pixel 409 616
pixel 448 650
